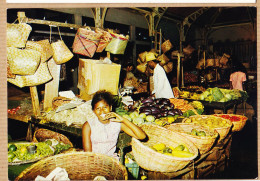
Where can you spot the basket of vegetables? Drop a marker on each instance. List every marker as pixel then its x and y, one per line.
pixel 79 166
pixel 238 121
pixel 164 150
pixel 202 137
pixel 221 125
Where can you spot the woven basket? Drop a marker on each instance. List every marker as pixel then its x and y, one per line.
pixel 237 125
pixel 42 46
pixel 61 53
pixel 149 159
pixel 17 34
pixel 142 67
pixel 204 143
pixel 142 56
pixel 23 61
pixel 41 135
pixel 163 59
pixel 79 166
pixel 222 131
pixel 9 72
pixel 41 76
pixel 166 46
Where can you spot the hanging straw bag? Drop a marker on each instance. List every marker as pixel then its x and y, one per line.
pixel 17 34
pixel 41 76
pixel 166 46
pixel 142 56
pixel 163 59
pixel 9 72
pixel 61 53
pixel 23 61
pixel 86 42
pixel 104 40
pixel 118 44
pixel 42 46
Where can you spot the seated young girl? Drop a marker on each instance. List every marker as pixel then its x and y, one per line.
pixel 100 135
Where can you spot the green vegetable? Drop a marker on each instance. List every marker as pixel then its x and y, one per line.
pixel 201 133
pixel 12 147
pixel 133 115
pixel 194 132
pixel 142 115
pixel 11 155
pixel 127 117
pixel 48 142
pixel 217 94
pixel 167 150
pixel 179 148
pixel 61 147
pixel 150 118
pixel 138 120
pixel 228 97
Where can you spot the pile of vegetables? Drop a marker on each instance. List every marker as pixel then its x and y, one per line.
pixel 222 95
pixel 178 151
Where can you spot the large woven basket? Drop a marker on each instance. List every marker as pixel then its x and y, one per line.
pixel 79 166
pixel 222 131
pixel 204 143
pixel 149 159
pixel 42 46
pixel 43 134
pixel 237 125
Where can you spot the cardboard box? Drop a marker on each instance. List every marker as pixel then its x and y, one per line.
pixel 94 76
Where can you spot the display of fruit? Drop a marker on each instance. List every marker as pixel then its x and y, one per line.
pixel 209 121
pixel 197 133
pixel 178 151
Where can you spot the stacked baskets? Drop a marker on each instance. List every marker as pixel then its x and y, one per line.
pixel 204 143
pixel 79 166
pixel 149 159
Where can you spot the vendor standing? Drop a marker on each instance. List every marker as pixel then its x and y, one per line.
pixel 162 87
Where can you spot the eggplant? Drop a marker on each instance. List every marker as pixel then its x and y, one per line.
pixel 164 114
pixel 147 113
pixel 146 109
pixel 146 104
pixel 167 107
pixel 171 113
pixel 147 100
pixel 164 109
pixel 179 112
pixel 157 116
pixel 155 110
pixel 164 101
pixel 172 105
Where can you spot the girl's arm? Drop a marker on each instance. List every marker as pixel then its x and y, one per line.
pixel 127 126
pixel 86 140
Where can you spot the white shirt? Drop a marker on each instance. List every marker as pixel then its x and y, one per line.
pixel 162 87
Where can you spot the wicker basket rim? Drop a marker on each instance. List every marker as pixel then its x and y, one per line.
pixel 232 115
pixel 134 140
pixel 72 153
pixel 214 132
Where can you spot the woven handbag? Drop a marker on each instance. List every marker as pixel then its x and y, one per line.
pixel 61 53
pixel 166 46
pixel 17 34
pixel 118 44
pixel 42 46
pixel 86 42
pixel 41 76
pixel 104 40
pixel 9 72
pixel 163 59
pixel 23 61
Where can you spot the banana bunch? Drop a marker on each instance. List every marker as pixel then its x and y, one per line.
pixel 185 94
pixel 197 105
pixel 195 96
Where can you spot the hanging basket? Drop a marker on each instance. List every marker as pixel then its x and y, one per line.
pixel 17 34
pixel 61 53
pixel 204 143
pixel 152 160
pixel 166 46
pixel 42 46
pixel 79 166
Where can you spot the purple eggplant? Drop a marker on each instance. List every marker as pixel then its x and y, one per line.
pixel 147 100
pixel 171 113
pixel 172 105
pixel 157 116
pixel 155 110
pixel 179 112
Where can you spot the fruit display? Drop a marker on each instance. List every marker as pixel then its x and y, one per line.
pixel 178 151
pixel 238 121
pixel 221 125
pixel 188 109
pixel 26 152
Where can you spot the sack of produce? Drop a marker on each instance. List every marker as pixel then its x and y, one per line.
pixel 86 42
pixel 118 43
pixel 202 137
pixel 142 56
pixel 141 67
pixel 41 76
pixel 163 59
pixel 166 46
pixel 42 46
pixel 23 61
pixel 164 150
pixel 221 125
pixel 17 34
pixel 104 40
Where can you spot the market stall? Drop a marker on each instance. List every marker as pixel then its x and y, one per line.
pixel 185 138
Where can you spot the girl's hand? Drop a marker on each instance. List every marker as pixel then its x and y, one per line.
pixel 112 116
